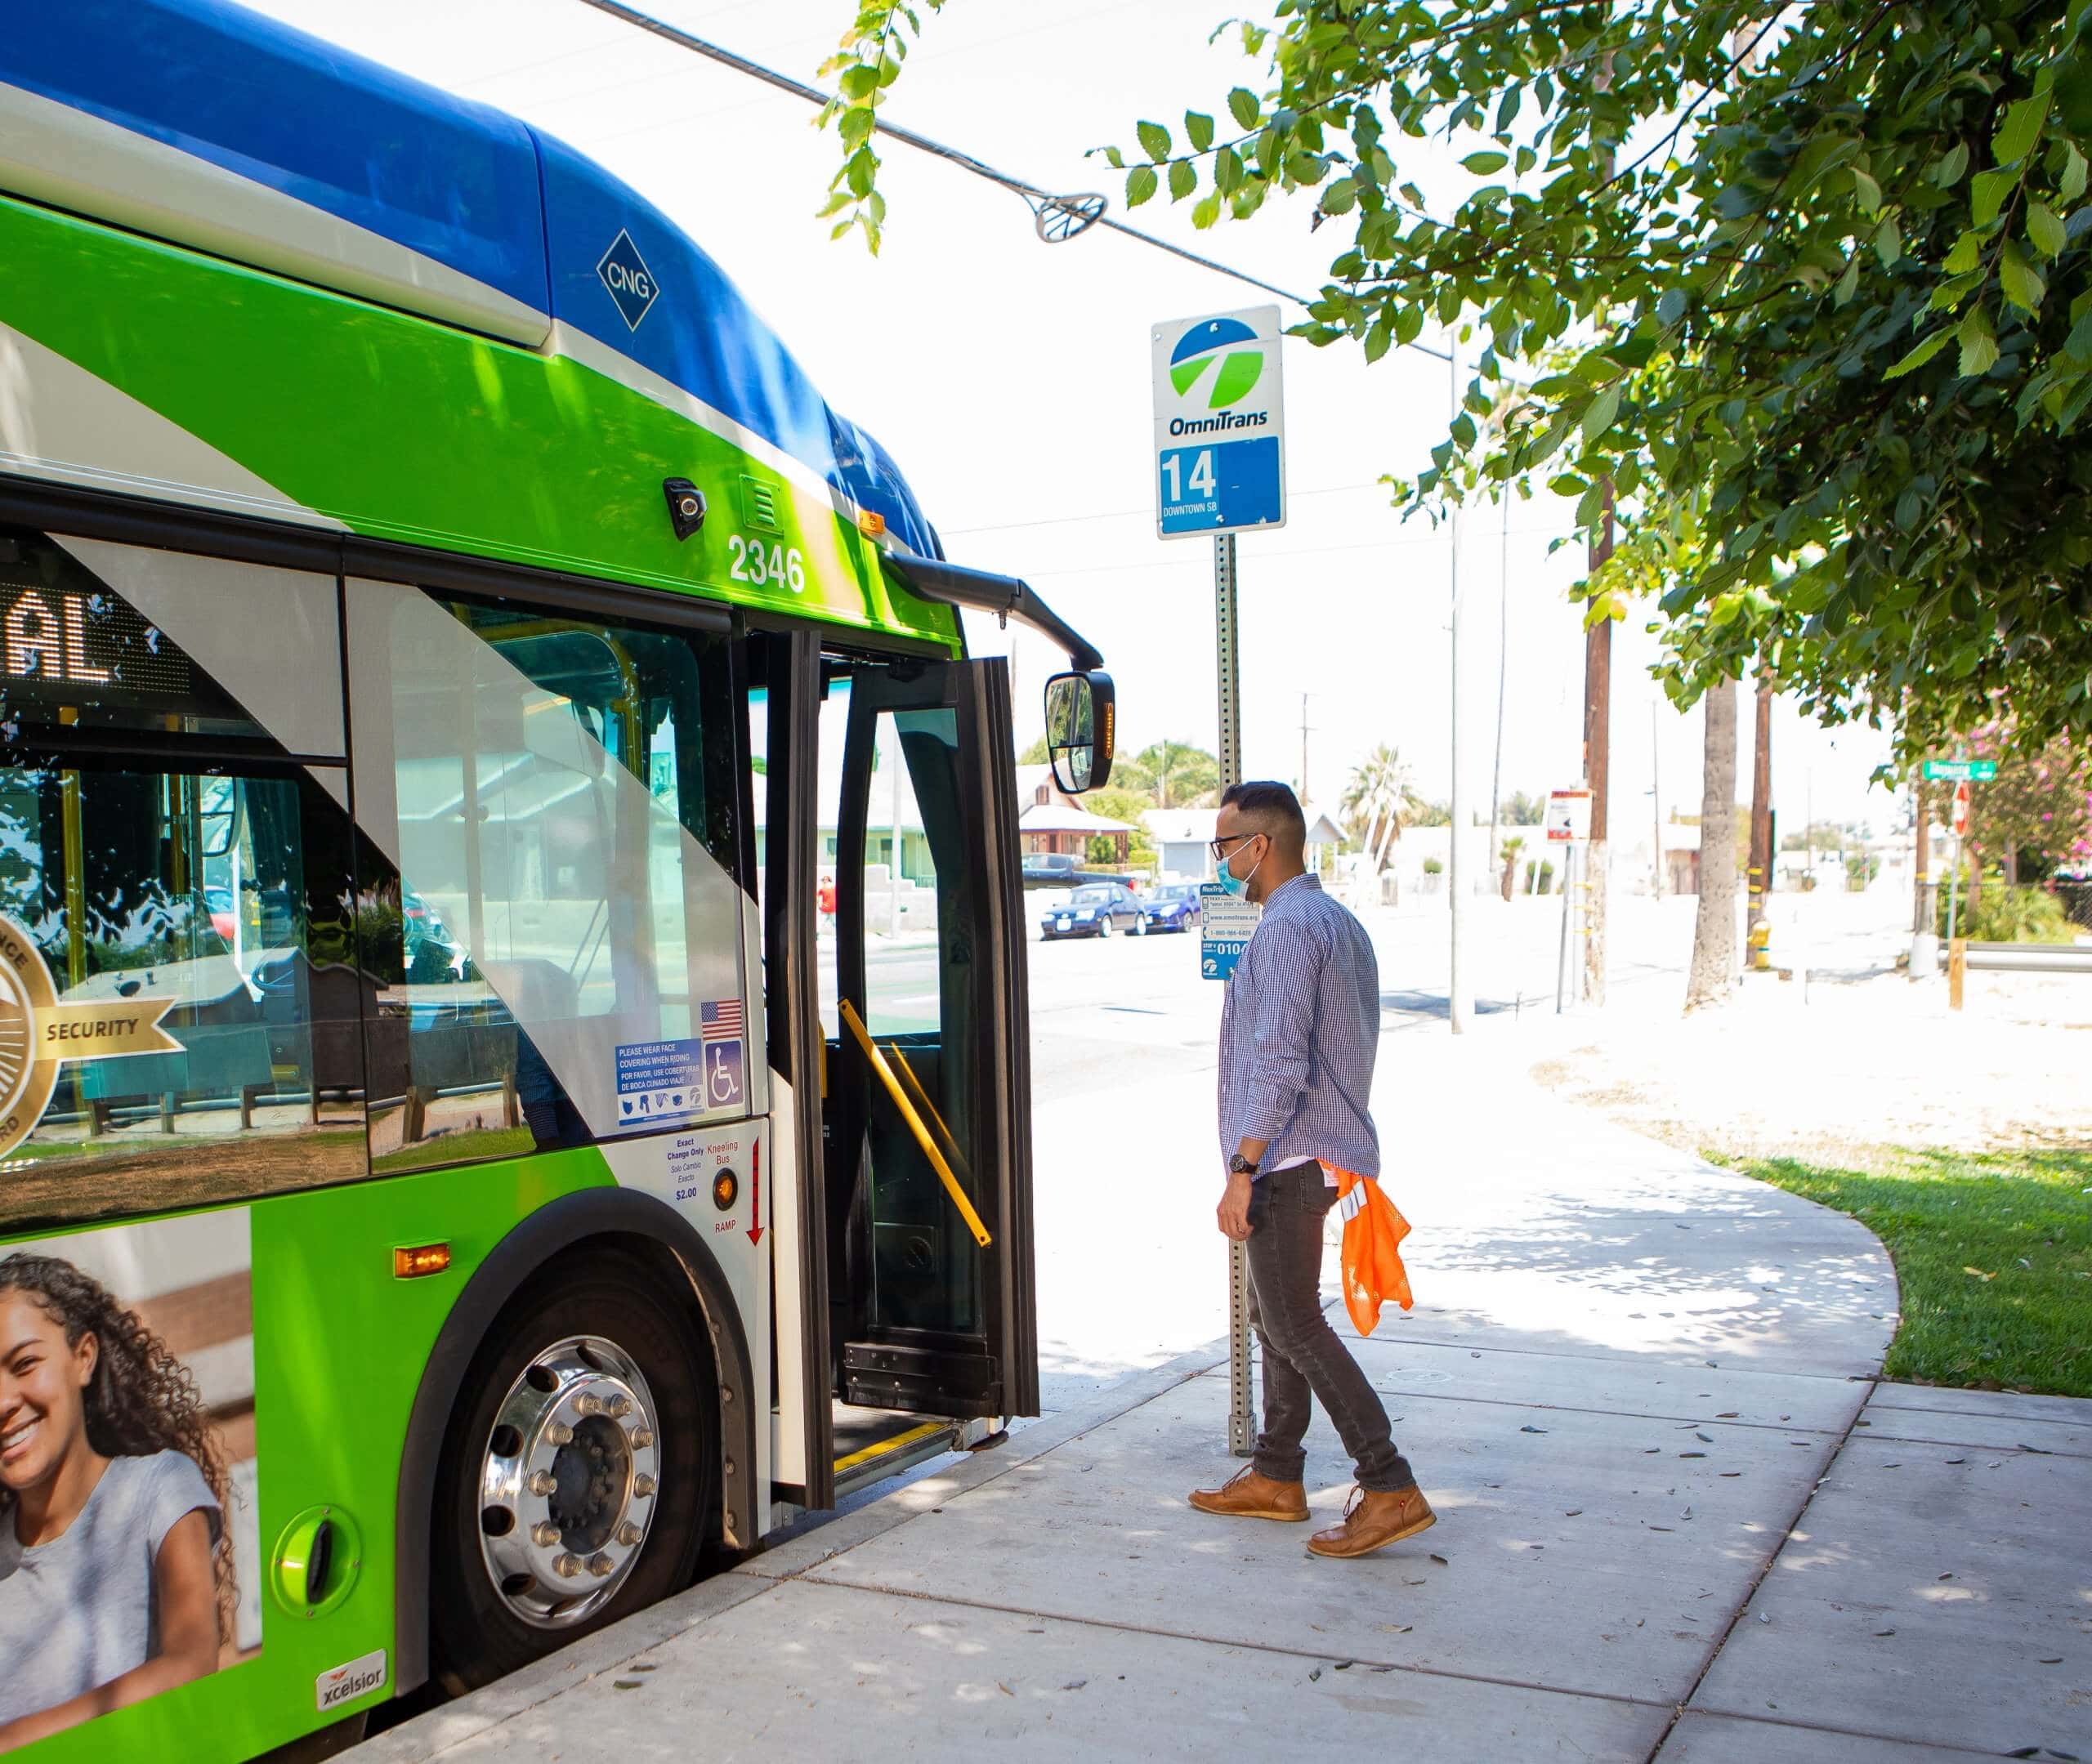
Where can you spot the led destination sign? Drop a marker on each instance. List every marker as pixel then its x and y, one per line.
pixel 55 637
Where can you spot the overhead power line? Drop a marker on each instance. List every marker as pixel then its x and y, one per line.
pixel 1056 217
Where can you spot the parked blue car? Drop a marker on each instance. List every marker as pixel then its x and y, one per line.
pixel 1173 906
pixel 1094 910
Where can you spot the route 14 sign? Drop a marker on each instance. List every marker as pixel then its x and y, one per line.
pixel 1219 424
pixel 1568 816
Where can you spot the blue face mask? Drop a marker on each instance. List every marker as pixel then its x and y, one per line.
pixel 1239 886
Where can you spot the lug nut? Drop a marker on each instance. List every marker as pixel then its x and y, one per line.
pixel 629 1533
pixel 542 1482
pixel 600 1564
pixel 544 1533
pixel 641 1487
pixel 566 1566
pixel 641 1438
pixel 588 1403
pixel 618 1408
pixel 559 1434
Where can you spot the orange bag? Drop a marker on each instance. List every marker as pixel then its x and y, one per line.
pixel 1372 1255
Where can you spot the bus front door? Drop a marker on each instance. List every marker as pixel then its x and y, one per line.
pixel 927 1152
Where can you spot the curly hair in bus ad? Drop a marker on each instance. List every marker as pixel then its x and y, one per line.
pixel 98 1417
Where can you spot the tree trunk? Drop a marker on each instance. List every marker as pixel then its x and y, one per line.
pixel 1712 977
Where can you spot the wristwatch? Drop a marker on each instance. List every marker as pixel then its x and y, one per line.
pixel 1239 1165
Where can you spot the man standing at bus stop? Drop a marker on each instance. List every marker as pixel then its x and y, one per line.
pixel 1297 1036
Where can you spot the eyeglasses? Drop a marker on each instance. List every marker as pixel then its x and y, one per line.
pixel 1217 846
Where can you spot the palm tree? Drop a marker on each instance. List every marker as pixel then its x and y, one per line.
pixel 1176 774
pixel 1382 794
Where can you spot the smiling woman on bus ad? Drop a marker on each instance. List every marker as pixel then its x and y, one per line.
pixel 114 1574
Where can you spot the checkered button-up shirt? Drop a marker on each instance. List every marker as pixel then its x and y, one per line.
pixel 1297 1036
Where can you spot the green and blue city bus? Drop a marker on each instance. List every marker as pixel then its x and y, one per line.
pixel 453 1186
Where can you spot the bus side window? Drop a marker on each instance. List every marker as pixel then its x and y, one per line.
pixel 559 801
pixel 194 922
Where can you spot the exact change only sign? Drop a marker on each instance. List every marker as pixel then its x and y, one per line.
pixel 1219 424
pixel 1226 922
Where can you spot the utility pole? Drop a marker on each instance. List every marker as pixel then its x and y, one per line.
pixel 1597 761
pixel 1502 671
pixel 1759 937
pixel 1924 935
pixel 1459 1002
pixel 1304 792
pixel 1655 802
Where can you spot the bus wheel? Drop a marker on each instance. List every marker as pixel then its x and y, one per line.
pixel 575 1486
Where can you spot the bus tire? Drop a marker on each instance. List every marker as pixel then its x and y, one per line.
pixel 596 1381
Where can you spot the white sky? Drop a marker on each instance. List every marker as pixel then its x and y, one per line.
pixel 1010 379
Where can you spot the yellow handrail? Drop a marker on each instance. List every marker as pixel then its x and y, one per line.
pixel 921 1098
pixel 914 1121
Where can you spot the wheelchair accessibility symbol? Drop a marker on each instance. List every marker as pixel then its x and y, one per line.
pixel 723 1073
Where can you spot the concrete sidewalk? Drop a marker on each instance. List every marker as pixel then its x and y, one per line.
pixel 1678 1520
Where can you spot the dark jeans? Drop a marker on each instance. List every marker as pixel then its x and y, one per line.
pixel 1302 1352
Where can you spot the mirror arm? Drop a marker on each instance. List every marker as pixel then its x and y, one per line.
pixel 932 579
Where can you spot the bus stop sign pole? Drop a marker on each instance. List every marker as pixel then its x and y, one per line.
pixel 1219 465
pixel 1241 1428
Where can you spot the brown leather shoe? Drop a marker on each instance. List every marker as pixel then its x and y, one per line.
pixel 1248 1495
pixel 1372 1520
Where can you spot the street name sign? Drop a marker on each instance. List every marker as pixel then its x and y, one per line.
pixel 1219 424
pixel 1226 922
pixel 1962 771
pixel 1568 816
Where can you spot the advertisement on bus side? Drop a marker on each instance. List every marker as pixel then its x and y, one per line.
pixel 130 1561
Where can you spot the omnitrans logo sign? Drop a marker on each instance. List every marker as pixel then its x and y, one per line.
pixel 1218 365
pixel 632 286
pixel 1219 459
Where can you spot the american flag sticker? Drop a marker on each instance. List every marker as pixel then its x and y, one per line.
pixel 720 1020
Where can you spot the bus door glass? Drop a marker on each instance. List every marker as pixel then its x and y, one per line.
pixel 928 1160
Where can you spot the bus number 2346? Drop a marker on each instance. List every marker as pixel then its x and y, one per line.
pixel 753 564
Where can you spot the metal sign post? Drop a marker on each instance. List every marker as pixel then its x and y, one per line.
pixel 1241 1426
pixel 1218 464
pixel 1568 829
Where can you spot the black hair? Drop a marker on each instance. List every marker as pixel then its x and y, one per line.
pixel 1267 800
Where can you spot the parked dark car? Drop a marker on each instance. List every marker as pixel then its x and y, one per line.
pixel 1095 909
pixel 1051 869
pixel 1173 906
pixel 1060 869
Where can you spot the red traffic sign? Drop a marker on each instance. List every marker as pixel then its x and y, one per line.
pixel 1961 795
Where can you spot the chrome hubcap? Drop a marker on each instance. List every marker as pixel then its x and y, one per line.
pixel 568 1482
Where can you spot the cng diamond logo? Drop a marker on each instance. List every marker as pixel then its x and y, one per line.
pixel 1216 344
pixel 630 283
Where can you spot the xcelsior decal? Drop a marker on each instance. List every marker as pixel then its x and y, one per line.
pixel 345 1683
pixel 39 1034
pixel 631 283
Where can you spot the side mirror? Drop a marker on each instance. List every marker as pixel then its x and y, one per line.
pixel 1081 725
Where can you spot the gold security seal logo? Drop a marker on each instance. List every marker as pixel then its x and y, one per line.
pixel 39 1034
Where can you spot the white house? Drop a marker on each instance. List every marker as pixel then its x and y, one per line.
pixel 1180 837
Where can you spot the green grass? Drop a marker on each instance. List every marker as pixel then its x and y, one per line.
pixel 2022 1218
